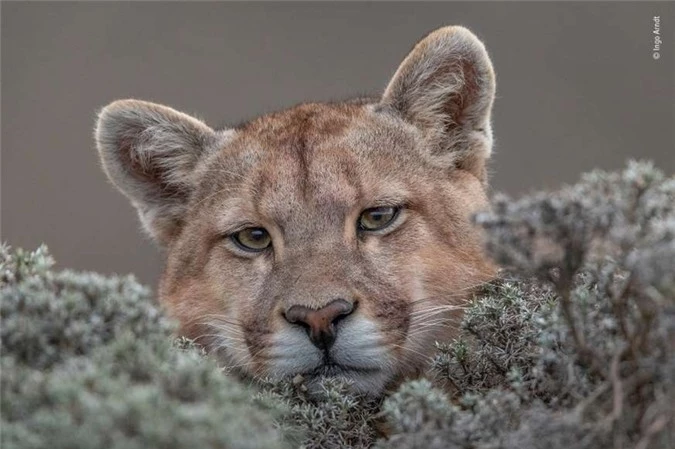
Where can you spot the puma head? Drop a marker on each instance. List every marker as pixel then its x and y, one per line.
pixel 328 239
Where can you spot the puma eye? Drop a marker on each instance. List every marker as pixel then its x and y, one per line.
pixel 252 239
pixel 377 218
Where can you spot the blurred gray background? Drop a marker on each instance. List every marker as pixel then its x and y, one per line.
pixel 577 88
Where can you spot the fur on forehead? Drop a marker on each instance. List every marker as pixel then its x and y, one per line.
pixel 313 154
pixel 315 146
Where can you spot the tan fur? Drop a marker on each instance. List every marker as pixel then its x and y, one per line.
pixel 305 175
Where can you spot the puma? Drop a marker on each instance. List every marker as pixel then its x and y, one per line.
pixel 328 239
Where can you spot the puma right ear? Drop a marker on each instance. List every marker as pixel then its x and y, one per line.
pixel 446 87
pixel 149 152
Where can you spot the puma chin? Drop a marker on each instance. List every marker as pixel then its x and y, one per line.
pixel 328 239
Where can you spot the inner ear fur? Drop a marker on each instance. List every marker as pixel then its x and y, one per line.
pixel 446 86
pixel 149 152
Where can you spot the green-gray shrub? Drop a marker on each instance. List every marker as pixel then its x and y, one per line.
pixel 88 362
pixel 573 347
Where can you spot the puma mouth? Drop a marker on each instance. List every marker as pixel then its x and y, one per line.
pixel 332 369
pixel 367 381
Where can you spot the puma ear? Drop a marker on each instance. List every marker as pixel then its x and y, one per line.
pixel 149 152
pixel 446 87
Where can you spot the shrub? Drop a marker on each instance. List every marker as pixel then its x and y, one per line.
pixel 574 346
pixel 87 362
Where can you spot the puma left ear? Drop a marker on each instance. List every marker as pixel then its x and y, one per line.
pixel 149 152
pixel 446 87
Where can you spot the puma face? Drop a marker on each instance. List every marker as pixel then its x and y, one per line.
pixel 326 239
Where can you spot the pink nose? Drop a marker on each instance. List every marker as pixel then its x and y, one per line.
pixel 320 324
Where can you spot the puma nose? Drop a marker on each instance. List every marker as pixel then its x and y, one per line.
pixel 320 324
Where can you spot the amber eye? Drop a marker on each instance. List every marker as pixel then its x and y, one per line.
pixel 252 239
pixel 377 218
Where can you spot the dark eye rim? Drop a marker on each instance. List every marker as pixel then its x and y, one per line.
pixel 235 239
pixel 397 212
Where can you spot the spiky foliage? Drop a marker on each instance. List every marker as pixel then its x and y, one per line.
pixel 333 418
pixel 87 362
pixel 574 347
